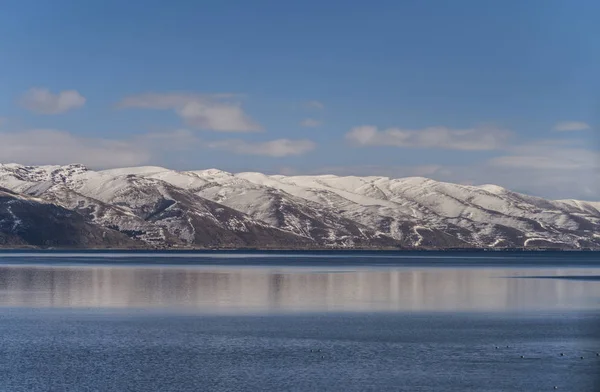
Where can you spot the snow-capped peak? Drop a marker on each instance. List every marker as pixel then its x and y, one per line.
pixel 325 209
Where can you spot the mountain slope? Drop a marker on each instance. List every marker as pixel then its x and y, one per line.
pixel 272 206
pixel 213 208
pixel 26 221
pixel 149 209
pixel 473 214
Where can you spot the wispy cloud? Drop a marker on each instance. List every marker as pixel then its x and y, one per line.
pixel 180 139
pixel 546 156
pixel 543 168
pixel 310 123
pixel 553 168
pixel 42 101
pixel 566 126
pixel 216 112
pixel 380 170
pixel 272 148
pixel 49 146
pixel 318 105
pixel 472 139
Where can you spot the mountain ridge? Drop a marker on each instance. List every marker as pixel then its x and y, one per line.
pixel 211 208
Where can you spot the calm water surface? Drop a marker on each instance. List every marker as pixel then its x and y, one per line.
pixel 252 322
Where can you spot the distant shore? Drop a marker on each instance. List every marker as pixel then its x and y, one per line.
pixel 292 250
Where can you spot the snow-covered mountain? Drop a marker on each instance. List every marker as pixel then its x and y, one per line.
pixel 27 221
pixel 213 208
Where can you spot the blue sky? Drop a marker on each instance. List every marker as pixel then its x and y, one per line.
pixel 461 91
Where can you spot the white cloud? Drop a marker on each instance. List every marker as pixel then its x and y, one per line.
pixel 217 117
pixel 426 170
pixel 544 168
pixel 566 126
pixel 472 139
pixel 273 148
pixel 181 139
pixel 287 171
pixel 549 168
pixel 376 170
pixel 214 112
pixel 544 162
pixel 42 101
pixel 318 105
pixel 548 183
pixel 310 123
pixel 547 156
pixel 48 146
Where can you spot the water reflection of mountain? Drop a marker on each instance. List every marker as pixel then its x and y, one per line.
pixel 256 289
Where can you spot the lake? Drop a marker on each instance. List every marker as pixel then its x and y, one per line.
pixel 252 321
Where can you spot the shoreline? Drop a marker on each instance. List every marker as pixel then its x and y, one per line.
pixel 326 250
